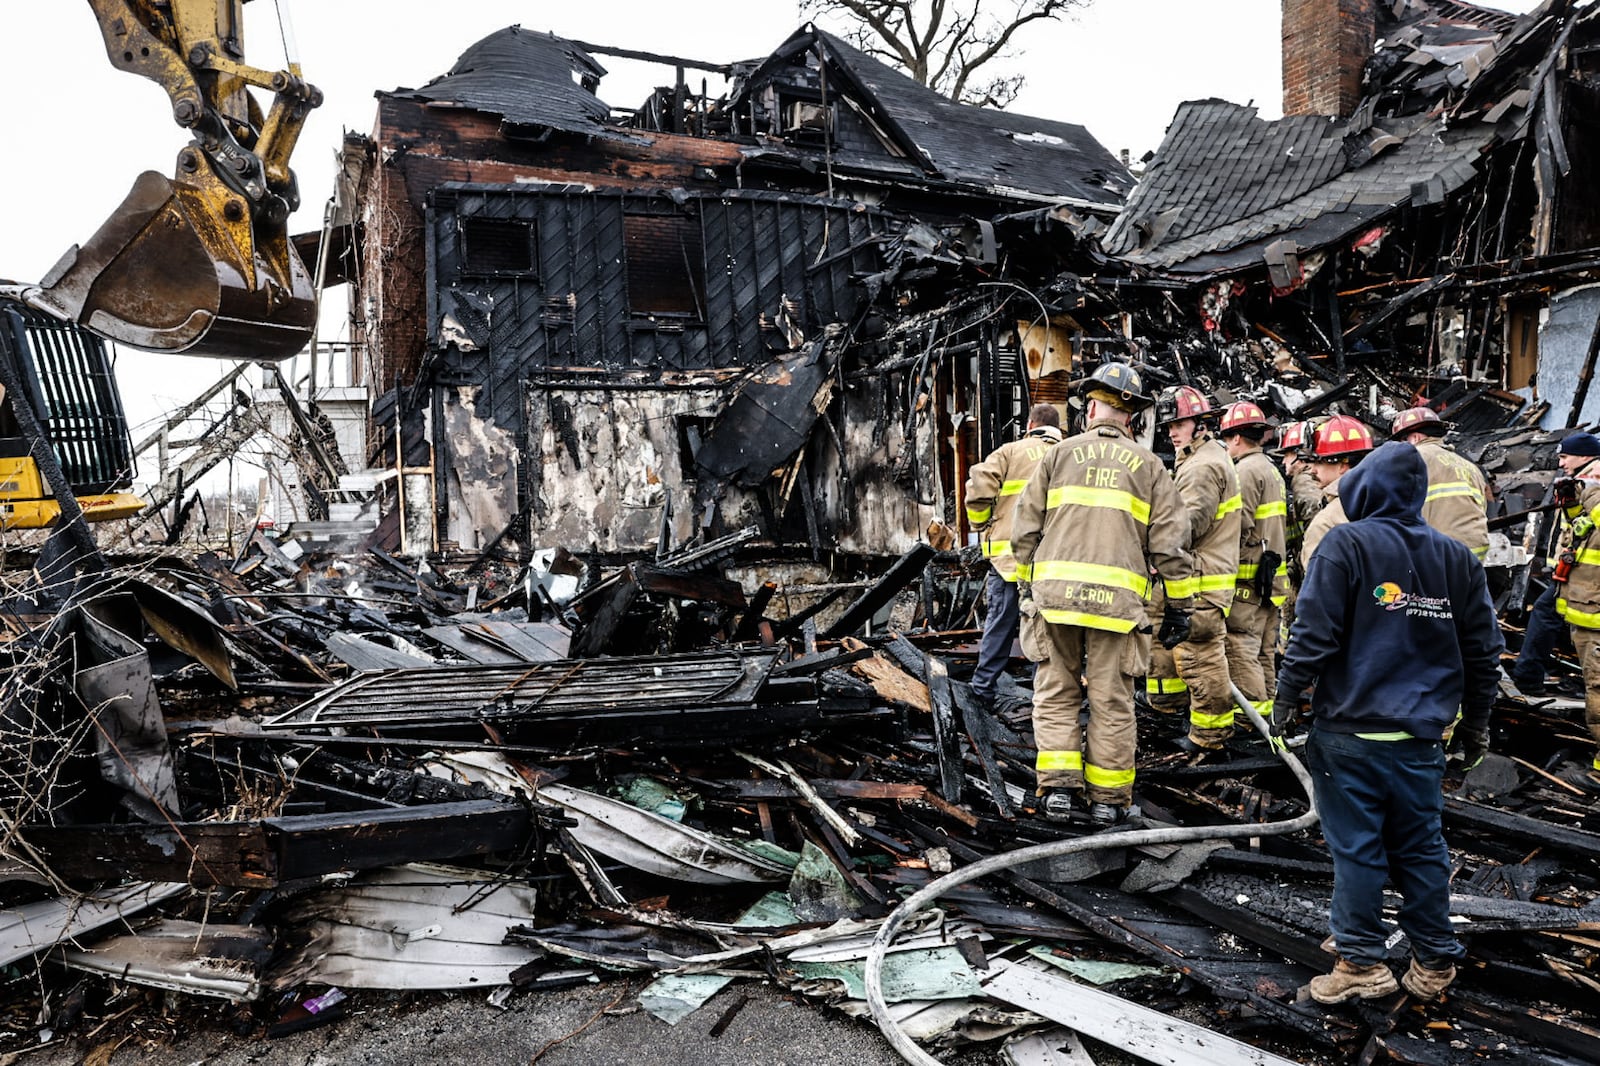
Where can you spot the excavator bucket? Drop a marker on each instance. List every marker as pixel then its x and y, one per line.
pixel 169 272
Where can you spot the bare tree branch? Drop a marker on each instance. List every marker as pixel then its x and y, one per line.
pixel 943 43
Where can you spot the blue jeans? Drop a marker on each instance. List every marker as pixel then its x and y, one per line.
pixel 1545 627
pixel 1381 802
pixel 1000 621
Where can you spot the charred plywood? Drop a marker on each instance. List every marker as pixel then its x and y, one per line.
pixel 480 471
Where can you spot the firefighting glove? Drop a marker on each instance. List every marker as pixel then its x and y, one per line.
pixel 1025 602
pixel 1564 492
pixel 1267 574
pixel 1285 716
pixel 1174 627
pixel 1474 746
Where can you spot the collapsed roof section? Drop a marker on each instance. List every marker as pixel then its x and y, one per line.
pixel 1447 84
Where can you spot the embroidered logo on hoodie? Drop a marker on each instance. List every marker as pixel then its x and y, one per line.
pixel 1392 597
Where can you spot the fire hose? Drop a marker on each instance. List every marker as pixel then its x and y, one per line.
pixel 890 1028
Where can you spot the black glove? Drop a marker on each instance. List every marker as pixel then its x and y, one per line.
pixel 1474 746
pixel 1286 711
pixel 1565 491
pixel 1267 574
pixel 1174 627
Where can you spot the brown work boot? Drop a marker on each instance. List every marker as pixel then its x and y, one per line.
pixel 1348 981
pixel 1425 982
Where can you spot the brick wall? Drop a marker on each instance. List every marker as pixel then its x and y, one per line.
pixel 1325 45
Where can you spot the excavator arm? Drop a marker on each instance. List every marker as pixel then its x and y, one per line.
pixel 199 263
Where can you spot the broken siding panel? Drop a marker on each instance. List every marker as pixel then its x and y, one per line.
pixel 605 457
pixel 479 462
pixel 874 513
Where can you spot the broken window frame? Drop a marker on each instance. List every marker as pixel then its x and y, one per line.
pixel 693 279
pixel 464 245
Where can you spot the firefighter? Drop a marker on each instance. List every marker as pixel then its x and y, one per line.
pixel 1305 494
pixel 1263 580
pixel 1209 486
pixel 1337 445
pixel 1097 514
pixel 992 490
pixel 1457 490
pixel 1577 576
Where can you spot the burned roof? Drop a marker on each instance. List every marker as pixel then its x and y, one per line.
pixel 1004 153
pixel 1445 83
pixel 529 79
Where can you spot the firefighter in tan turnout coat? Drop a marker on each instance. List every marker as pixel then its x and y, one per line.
pixel 1457 491
pixel 1209 486
pixel 1263 567
pixel 1097 514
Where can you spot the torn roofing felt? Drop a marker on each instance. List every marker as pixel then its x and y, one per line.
pixel 529 79
pixel 998 150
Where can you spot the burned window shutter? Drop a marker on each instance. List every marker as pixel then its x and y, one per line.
pixel 497 247
pixel 666 265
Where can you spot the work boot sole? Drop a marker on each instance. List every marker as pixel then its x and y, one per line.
pixel 1425 983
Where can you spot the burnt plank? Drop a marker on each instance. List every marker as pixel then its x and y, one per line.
pixel 905 570
pixel 946 735
pixel 1505 824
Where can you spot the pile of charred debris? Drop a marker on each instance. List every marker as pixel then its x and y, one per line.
pixel 286 779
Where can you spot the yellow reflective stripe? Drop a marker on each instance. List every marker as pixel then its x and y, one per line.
pixel 1582 619
pixel 1058 760
pixel 978 516
pixel 1228 506
pixel 1013 488
pixel 1273 510
pixel 1398 734
pixel 1085 496
pixel 1215 582
pixel 1165 686
pixel 1182 588
pixel 1100 777
pixel 1248 570
pixel 1211 721
pixel 996 547
pixel 1086 620
pixel 1480 552
pixel 1587 555
pixel 1024 571
pixel 1597 762
pixel 1091 573
pixel 1278 601
pixel 1454 488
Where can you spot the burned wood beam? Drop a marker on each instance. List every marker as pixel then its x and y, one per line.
pixel 685 585
pixel 827 660
pixel 1395 306
pixel 833 789
pixel 750 621
pixel 980 732
pixel 796 621
pixel 1504 824
pixel 901 574
pixel 946 736
pixel 269 852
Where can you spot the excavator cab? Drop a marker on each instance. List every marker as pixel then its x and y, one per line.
pixel 59 394
pixel 199 263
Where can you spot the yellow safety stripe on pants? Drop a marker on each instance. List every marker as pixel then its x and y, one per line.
pixel 1454 488
pixel 1230 505
pixel 1092 574
pixel 1581 619
pixel 1272 510
pixel 1181 589
pixel 1058 760
pixel 996 547
pixel 1013 488
pixel 1211 721
pixel 1215 582
pixel 1084 496
pixel 1165 686
pixel 979 515
pixel 1100 777
pixel 1087 621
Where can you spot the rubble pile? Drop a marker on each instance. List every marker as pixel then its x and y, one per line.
pixel 287 779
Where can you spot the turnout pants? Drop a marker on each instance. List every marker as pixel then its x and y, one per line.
pixel 1164 690
pixel 1203 665
pixel 1109 664
pixel 1253 648
pixel 1587 641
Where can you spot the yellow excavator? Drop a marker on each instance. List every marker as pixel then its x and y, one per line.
pixel 199 264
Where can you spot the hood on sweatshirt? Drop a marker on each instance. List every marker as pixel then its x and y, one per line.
pixel 1392 482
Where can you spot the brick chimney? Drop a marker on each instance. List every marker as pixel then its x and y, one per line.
pixel 1326 44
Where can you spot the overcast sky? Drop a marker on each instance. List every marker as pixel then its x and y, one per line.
pixel 80 131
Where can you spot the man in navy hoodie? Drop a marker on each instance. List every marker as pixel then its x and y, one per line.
pixel 1394 634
